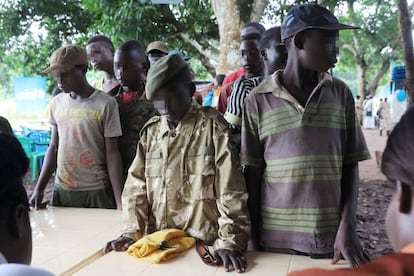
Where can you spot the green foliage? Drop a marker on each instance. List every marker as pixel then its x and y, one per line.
pixel 376 39
pixel 143 21
pixel 185 26
pixel 31 30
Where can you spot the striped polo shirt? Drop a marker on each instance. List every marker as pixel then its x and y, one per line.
pixel 302 151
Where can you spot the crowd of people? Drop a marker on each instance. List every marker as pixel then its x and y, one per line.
pixel 370 119
pixel 274 167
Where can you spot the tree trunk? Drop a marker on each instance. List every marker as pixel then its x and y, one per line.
pixel 258 9
pixel 362 78
pixel 229 23
pixel 406 33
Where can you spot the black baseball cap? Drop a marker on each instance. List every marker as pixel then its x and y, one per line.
pixel 310 16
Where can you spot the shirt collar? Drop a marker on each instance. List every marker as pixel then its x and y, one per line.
pixel 188 118
pixel 274 85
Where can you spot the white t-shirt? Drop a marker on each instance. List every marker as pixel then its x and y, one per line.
pixel 7 269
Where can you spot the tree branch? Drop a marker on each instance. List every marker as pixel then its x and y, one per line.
pixel 257 10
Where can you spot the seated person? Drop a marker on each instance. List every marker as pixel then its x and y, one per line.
pixel 398 167
pixel 184 174
pixel 15 229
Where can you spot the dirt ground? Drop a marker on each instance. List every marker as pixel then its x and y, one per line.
pixel 374 196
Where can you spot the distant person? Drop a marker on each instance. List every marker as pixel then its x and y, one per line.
pixel 273 52
pixel 5 125
pixel 369 120
pixel 84 143
pixel 251 29
pixel 134 109
pixel 273 56
pixel 398 167
pixel 385 122
pixel 185 175
pixel 15 229
pixel 219 84
pixel 101 51
pixel 301 145
pixel 156 50
pixel 359 109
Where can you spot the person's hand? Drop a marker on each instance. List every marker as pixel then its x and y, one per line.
pixel 347 244
pixel 231 258
pixel 36 201
pixel 120 244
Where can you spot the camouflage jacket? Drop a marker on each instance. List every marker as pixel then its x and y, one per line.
pixel 187 178
pixel 133 117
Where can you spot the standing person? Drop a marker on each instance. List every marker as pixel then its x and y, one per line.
pixel 369 120
pixel 84 143
pixel 251 29
pixel 272 50
pixel 385 123
pixel 253 64
pixel 273 57
pixel 398 167
pixel 219 85
pixel 359 109
pixel 156 50
pixel 184 175
pixel 15 229
pixel 101 51
pixel 301 144
pixel 134 109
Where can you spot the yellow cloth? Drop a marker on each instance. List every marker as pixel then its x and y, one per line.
pixel 161 245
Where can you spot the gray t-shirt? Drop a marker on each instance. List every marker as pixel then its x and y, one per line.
pixel 82 127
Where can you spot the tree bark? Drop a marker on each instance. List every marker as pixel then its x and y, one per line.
pixel 229 23
pixel 258 9
pixel 406 33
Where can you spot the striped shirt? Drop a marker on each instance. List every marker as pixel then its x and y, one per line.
pixel 302 151
pixel 235 102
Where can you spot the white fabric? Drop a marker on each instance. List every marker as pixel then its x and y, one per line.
pixel 369 121
pixel 7 269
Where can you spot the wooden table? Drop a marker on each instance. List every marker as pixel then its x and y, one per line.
pixel 69 241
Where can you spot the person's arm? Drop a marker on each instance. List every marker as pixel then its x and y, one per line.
pixel 253 176
pixel 49 166
pixel 114 167
pixel 134 204
pixel 347 243
pixel 231 193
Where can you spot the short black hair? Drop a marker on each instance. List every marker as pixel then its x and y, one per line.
pixel 251 36
pixel 101 38
pixel 13 166
pixel 132 45
pixel 256 25
pixel 272 34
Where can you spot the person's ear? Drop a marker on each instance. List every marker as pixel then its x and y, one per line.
pixel 18 217
pixel 263 54
pixel 406 198
pixel 299 40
